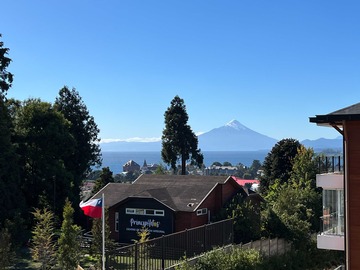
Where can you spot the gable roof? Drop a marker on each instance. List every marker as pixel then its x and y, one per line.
pixel 349 113
pixel 178 192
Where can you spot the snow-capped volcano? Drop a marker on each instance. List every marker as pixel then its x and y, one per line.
pixel 236 125
pixel 234 136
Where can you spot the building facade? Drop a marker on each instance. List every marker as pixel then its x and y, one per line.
pixel 165 204
pixel 341 191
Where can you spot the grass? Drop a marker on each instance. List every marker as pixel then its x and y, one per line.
pixel 24 261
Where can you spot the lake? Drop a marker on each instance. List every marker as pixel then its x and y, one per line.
pixel 115 160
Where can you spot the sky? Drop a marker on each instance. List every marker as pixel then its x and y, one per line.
pixel 268 64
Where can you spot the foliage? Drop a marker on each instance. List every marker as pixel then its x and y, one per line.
pixel 227 163
pixel 85 132
pixel 310 258
pixel 305 167
pixel 294 207
pixel 161 169
pixel 143 248
pixel 69 247
pixel 11 200
pixel 178 140
pixel 6 78
pixel 254 168
pixel 216 163
pixel 7 254
pixel 96 230
pixel 278 163
pixel 44 144
pixel 246 215
pixel 236 259
pixel 43 247
pixel 106 177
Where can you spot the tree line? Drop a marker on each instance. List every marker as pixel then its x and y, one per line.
pixel 46 149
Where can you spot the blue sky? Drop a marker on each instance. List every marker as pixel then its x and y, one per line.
pixel 268 64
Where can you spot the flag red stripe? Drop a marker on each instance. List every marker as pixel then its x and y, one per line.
pixel 92 211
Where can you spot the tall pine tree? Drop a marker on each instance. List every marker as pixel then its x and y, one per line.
pixel 178 139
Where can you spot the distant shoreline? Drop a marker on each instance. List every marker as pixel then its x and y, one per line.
pixel 116 159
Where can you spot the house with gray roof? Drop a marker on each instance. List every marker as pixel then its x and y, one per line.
pixel 165 204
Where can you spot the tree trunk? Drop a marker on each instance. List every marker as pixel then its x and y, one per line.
pixel 183 165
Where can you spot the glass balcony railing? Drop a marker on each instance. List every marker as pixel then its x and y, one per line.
pixel 332 224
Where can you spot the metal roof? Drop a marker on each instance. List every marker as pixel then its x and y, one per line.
pixel 336 118
pixel 174 191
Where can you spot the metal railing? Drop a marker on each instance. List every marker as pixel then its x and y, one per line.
pixel 168 250
pixel 327 164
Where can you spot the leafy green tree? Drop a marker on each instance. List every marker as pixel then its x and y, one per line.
pixel 216 163
pixel 296 203
pixel 43 249
pixel 304 169
pixel 227 163
pixel 254 168
pixel 161 169
pixel 96 230
pixel 178 140
pixel 84 130
pixel 246 215
pixel 44 145
pixel 6 78
pixel 106 177
pixel 68 243
pixel 87 152
pixel 7 254
pixel 11 198
pixel 278 163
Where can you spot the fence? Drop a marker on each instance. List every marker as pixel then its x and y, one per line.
pixel 268 247
pixel 168 250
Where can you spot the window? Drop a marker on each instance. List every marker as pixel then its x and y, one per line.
pixel 159 213
pixel 144 212
pixel 139 211
pixel 149 212
pixel 201 212
pixel 116 221
pixel 130 211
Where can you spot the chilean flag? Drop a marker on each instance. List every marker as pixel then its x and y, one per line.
pixel 92 208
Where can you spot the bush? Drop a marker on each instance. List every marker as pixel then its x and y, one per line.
pixel 236 259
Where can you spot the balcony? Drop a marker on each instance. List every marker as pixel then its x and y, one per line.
pixel 331 180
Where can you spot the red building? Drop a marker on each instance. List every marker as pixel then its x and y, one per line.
pixel 165 203
pixel 341 189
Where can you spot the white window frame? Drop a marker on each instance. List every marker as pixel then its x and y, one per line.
pixel 202 211
pixel 117 225
pixel 144 212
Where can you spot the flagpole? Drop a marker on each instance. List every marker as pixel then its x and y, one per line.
pixel 103 231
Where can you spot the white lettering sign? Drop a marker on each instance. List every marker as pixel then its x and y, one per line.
pixel 150 223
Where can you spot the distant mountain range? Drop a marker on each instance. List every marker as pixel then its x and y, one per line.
pixel 231 137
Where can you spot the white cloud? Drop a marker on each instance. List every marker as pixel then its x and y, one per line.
pixel 135 139
pixel 138 139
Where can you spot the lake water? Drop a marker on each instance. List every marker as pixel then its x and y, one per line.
pixel 115 160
